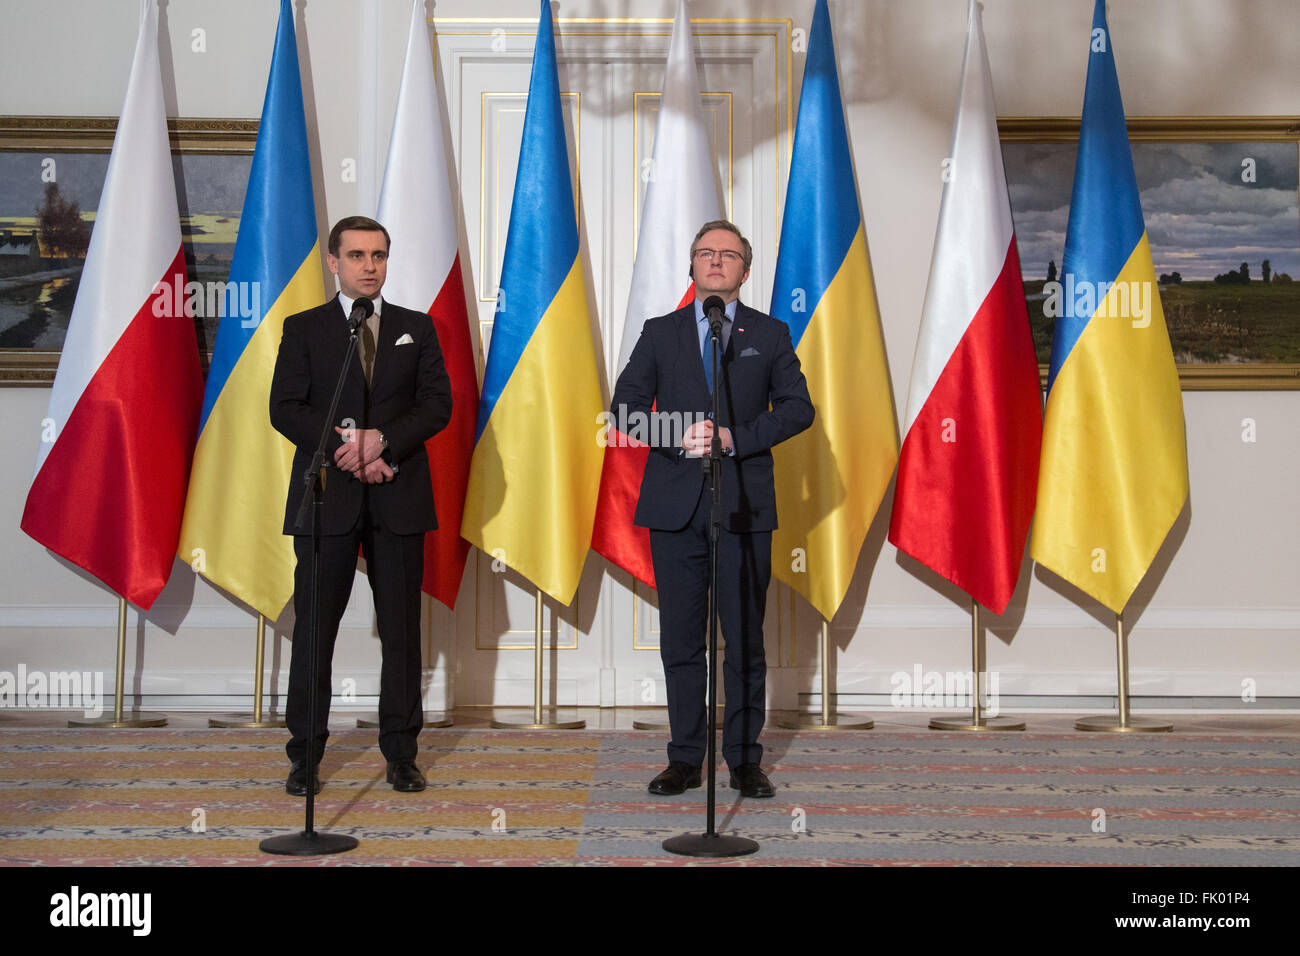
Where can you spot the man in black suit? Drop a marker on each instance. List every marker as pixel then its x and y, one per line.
pixel 377 490
pixel 764 400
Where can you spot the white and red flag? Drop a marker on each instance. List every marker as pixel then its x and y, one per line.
pixel 968 471
pixel 109 487
pixel 415 205
pixel 681 195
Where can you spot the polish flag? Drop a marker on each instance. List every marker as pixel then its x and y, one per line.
pixel 415 205
pixel 111 476
pixel 968 471
pixel 681 195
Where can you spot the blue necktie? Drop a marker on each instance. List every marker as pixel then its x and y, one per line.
pixel 706 352
pixel 707 355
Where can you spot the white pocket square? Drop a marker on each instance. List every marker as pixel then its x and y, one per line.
pixel 406 339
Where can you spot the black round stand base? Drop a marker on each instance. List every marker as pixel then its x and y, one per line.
pixel 709 844
pixel 308 844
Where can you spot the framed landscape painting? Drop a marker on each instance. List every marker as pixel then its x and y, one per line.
pixel 52 170
pixel 1221 200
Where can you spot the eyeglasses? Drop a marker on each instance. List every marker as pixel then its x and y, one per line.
pixel 729 256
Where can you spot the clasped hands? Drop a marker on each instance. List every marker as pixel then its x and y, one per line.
pixel 698 439
pixel 359 454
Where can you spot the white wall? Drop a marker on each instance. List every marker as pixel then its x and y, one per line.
pixel 1227 606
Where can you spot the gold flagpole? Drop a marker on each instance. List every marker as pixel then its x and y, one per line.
pixel 538 723
pixel 977 719
pixel 826 720
pixel 1124 723
pixel 256 718
pixel 121 718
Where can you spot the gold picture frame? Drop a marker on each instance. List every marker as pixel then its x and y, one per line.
pixel 37 140
pixel 1205 134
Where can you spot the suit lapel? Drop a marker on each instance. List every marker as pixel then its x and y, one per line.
pixel 740 333
pixel 688 335
pixel 388 332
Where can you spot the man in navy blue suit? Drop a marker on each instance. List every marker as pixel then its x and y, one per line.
pixel 763 400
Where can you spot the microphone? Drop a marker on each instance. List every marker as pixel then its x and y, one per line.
pixel 362 309
pixel 713 310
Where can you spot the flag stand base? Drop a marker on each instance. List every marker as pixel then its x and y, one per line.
pixel 431 719
pixel 247 721
pixel 539 724
pixel 1110 723
pixel 984 723
pixel 130 718
pixel 827 722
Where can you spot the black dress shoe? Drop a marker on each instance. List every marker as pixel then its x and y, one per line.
pixel 750 780
pixel 296 785
pixel 678 778
pixel 405 776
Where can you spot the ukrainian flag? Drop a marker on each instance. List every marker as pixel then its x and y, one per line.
pixel 535 474
pixel 831 478
pixel 1113 476
pixel 234 512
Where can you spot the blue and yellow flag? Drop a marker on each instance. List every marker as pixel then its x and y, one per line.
pixel 535 473
pixel 234 512
pixel 1113 476
pixel 831 478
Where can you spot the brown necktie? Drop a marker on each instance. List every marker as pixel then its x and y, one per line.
pixel 369 334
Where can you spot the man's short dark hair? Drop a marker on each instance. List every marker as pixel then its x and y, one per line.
pixel 355 222
pixel 730 227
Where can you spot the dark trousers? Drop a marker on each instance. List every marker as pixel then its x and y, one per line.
pixel 395 566
pixel 681 563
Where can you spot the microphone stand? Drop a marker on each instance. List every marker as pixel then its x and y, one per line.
pixel 310 842
pixel 710 843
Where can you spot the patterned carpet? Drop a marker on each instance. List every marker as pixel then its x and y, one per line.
pixel 135 797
